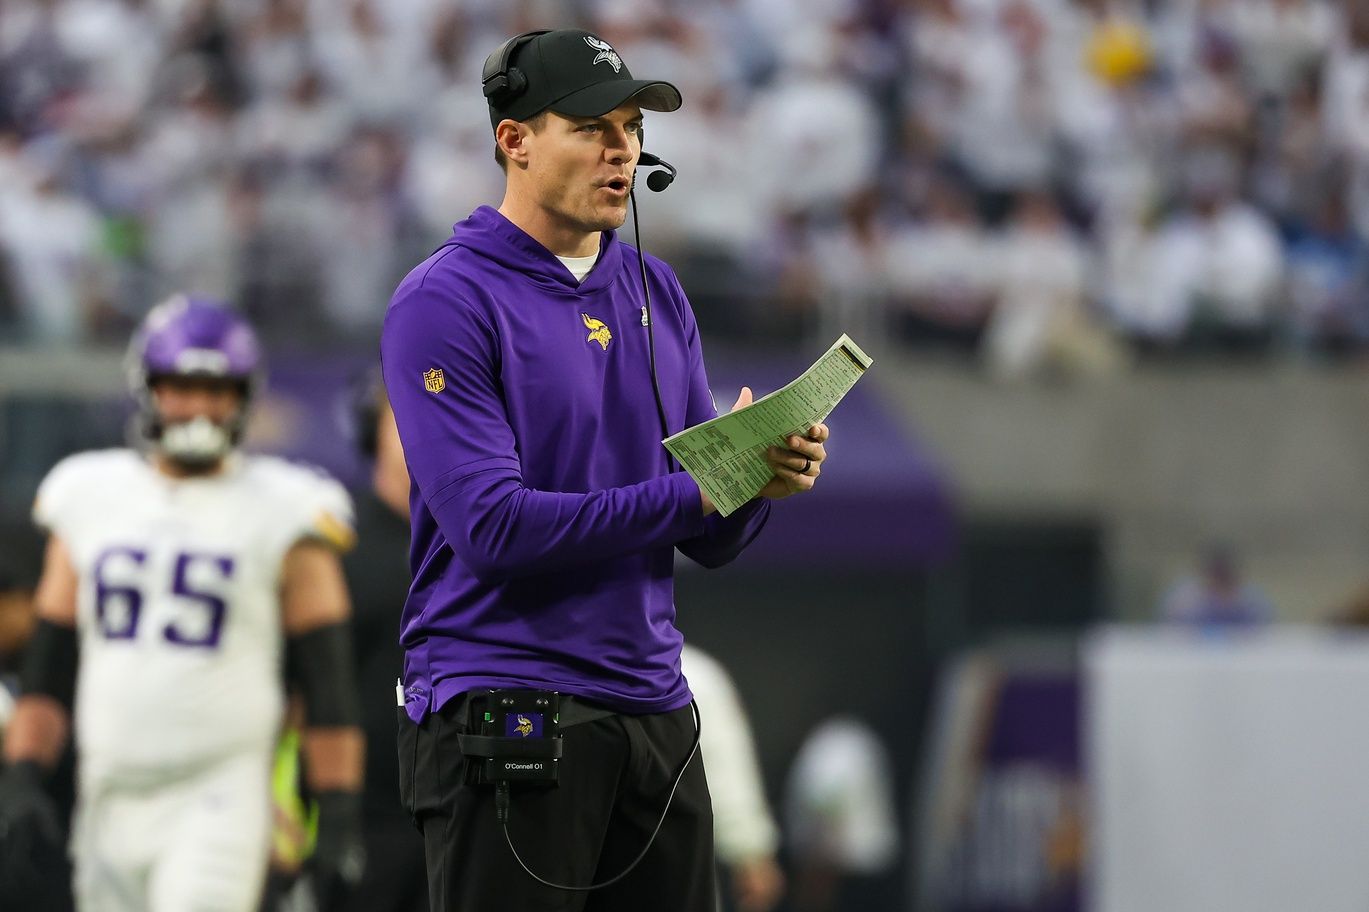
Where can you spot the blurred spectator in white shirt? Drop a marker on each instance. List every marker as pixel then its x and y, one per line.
pixel 941 272
pixel 1042 321
pixel 118 43
pixel 371 69
pixel 938 38
pixel 274 49
pixel 1347 89
pixel 1214 102
pixel 451 169
pixel 713 204
pixel 1214 267
pixel 745 836
pixel 850 259
pixel 190 148
pixel 823 128
pixel 301 129
pixel 193 137
pixel 838 813
pixel 53 239
pixel 361 225
pixel 1281 39
pixel 1003 127
pixel 1346 107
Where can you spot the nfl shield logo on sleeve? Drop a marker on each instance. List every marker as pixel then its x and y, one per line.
pixel 433 381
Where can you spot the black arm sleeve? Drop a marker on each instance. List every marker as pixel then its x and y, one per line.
pixel 50 663
pixel 320 664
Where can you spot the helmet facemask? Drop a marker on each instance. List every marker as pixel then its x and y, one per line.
pixel 197 443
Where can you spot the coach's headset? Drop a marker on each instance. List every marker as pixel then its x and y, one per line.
pixel 502 83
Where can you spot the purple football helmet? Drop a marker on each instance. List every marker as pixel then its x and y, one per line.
pixel 193 337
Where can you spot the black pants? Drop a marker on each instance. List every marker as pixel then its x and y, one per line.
pixel 393 881
pixel 614 778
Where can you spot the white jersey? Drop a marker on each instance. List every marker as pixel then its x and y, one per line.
pixel 178 610
pixel 743 828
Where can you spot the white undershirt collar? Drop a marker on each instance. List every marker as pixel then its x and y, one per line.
pixel 580 266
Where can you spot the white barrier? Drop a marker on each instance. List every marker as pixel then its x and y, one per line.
pixel 1229 773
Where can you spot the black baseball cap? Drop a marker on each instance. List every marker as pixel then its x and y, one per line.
pixel 570 71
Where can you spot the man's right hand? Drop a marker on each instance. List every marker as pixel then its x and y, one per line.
pixel 28 814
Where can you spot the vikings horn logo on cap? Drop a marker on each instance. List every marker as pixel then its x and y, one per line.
pixel 606 54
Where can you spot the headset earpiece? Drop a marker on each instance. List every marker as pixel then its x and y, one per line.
pixel 501 82
pixel 506 86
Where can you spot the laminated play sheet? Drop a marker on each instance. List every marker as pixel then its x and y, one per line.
pixel 726 455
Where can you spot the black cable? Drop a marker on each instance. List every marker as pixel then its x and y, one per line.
pixel 650 324
pixel 501 804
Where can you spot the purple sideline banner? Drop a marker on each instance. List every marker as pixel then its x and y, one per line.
pixel 1002 813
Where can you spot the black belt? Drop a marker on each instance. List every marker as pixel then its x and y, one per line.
pixel 573 710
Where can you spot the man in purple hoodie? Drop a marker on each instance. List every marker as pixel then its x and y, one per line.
pixel 519 361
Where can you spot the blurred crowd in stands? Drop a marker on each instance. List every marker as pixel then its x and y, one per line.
pixel 1048 185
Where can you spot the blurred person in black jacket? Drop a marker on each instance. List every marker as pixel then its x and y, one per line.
pixel 378 577
pixel 39 875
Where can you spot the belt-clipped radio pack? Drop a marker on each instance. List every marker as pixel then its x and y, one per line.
pixel 515 735
pixel 519 740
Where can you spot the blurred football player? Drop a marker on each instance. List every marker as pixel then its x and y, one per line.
pixel 179 578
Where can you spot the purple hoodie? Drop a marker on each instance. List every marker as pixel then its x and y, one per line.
pixel 545 512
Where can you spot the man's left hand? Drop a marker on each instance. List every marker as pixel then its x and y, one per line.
pixel 798 464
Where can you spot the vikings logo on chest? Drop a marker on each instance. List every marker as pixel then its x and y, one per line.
pixel 598 331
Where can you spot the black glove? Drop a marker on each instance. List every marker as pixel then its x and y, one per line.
pixel 339 857
pixel 29 817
